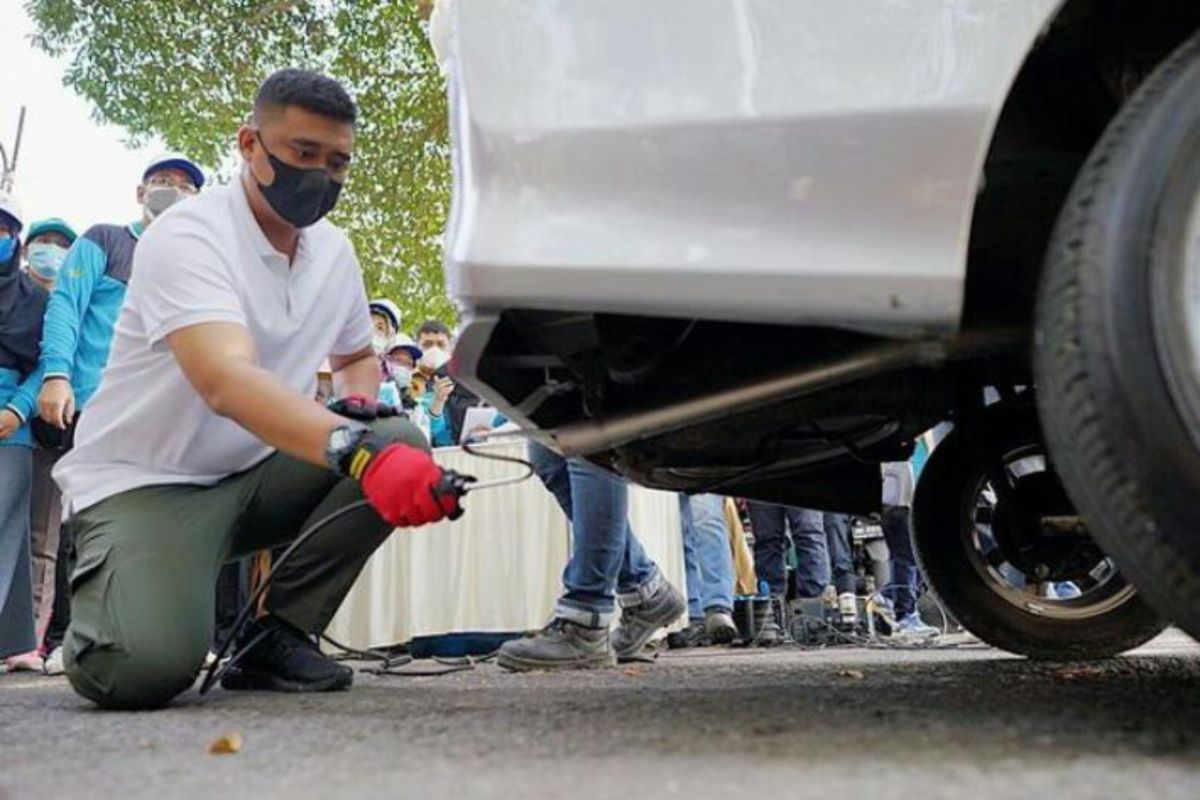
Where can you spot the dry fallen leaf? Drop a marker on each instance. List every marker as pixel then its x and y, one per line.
pixel 226 745
pixel 853 674
pixel 632 672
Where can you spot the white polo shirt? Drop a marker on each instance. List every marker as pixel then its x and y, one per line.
pixel 206 260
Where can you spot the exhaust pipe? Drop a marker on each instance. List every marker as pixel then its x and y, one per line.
pixel 594 436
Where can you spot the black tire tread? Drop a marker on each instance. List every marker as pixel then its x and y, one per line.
pixel 1071 384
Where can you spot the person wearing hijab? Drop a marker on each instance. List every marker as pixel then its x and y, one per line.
pixel 22 307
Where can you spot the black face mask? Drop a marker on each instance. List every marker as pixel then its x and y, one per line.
pixel 300 196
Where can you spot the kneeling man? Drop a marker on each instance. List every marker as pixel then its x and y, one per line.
pixel 204 443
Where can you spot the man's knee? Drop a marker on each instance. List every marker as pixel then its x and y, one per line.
pixel 399 430
pixel 118 678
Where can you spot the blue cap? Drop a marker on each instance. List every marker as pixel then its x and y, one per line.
pixel 51 225
pixel 175 161
pixel 404 342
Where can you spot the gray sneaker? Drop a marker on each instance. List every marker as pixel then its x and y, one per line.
pixel 641 620
pixel 719 626
pixel 560 645
pixel 914 629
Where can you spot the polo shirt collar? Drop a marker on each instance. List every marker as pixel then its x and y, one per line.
pixel 241 203
pixel 136 229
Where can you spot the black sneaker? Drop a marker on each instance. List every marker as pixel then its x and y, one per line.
pixel 285 660
pixel 771 634
pixel 694 635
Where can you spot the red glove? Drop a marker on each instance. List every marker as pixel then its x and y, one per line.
pixel 403 484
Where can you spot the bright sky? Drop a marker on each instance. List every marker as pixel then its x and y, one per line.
pixel 69 166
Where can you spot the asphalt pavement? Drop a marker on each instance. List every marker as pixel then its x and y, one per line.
pixel 962 722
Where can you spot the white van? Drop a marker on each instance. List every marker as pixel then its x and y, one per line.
pixel 757 247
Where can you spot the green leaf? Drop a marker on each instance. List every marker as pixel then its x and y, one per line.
pixel 186 71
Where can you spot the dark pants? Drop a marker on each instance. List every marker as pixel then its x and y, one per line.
pixel 233 590
pixel 60 613
pixel 906 578
pixel 770 524
pixel 45 522
pixel 60 609
pixel 143 589
pixel 841 552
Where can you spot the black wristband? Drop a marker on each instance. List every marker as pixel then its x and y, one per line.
pixel 355 463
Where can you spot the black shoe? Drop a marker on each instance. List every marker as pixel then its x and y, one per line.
pixel 285 660
pixel 771 634
pixel 694 635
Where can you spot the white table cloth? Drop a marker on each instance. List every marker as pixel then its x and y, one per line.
pixel 496 569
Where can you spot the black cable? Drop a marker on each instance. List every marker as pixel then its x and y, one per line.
pixel 369 654
pixel 447 666
pixel 217 670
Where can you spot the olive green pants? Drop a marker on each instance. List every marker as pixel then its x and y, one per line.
pixel 146 564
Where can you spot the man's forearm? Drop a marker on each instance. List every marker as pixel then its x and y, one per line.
pixel 274 412
pixel 357 375
pixel 219 361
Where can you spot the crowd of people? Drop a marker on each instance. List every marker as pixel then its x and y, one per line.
pixel 797 554
pixel 156 384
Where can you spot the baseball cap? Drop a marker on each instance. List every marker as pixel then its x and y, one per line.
pixel 175 161
pixel 404 342
pixel 51 225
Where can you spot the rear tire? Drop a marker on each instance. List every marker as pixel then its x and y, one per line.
pixel 1116 363
pixel 963 573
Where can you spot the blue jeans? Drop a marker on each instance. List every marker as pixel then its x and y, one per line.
pixel 906 578
pixel 706 554
pixel 606 558
pixel 16 592
pixel 841 552
pixel 769 523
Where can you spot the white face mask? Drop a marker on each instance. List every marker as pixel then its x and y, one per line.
pixel 436 357
pixel 380 342
pixel 403 376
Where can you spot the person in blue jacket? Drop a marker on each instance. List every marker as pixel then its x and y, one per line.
pixel 22 305
pixel 91 288
pixel 432 401
pixel 78 329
